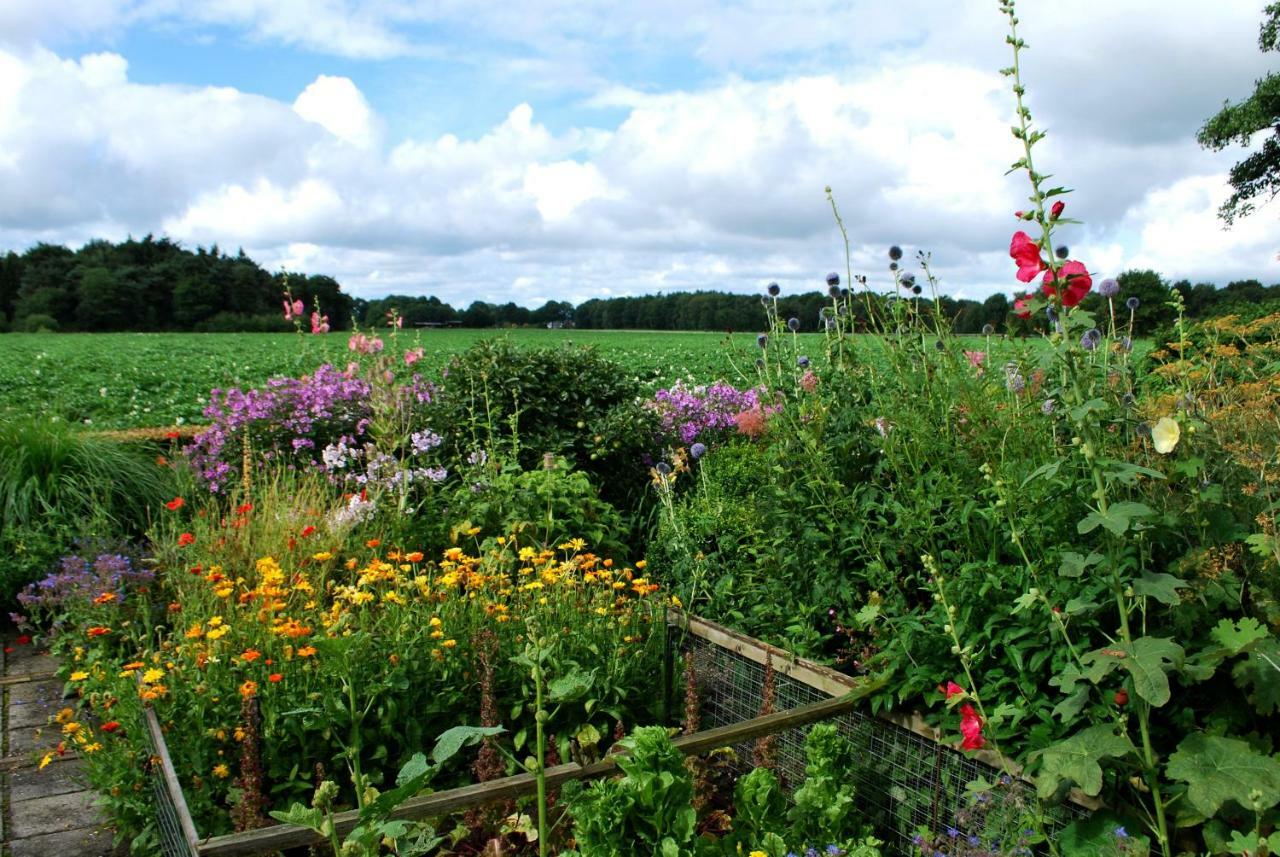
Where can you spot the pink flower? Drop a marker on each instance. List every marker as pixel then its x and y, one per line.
pixel 288 310
pixel 319 323
pixel 412 355
pixel 809 381
pixel 1027 254
pixel 1056 211
pixel 971 728
pixel 976 358
pixel 1020 306
pixel 362 344
pixel 1077 279
pixel 950 689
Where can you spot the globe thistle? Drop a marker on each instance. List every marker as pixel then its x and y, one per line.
pixel 1016 383
pixel 1051 314
pixel 988 329
pixel 762 340
pixel 698 450
pixel 1048 407
pixel 834 291
pixel 908 280
pixel 774 290
pixel 1091 338
pixel 1133 304
pixel 1126 343
pixel 1128 400
pixel 1144 430
pixel 939 346
pixel 802 361
pixel 895 252
pixel 759 363
pixel 663 468
pixel 833 279
pixel 1109 287
pixel 793 324
pixel 916 290
pixel 893 266
pixel 1062 252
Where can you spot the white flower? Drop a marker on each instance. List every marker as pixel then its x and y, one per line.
pixel 1165 435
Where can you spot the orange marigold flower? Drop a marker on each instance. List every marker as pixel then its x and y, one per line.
pixel 306 652
pixel 105 598
pixel 247 507
pixel 250 655
pixel 175 504
pixel 110 726
pixel 98 631
pixel 373 543
pixel 274 678
pixel 248 689
pixel 415 556
pixel 185 539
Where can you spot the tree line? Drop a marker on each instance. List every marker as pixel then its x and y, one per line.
pixel 156 284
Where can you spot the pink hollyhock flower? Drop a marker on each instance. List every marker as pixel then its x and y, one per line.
pixel 971 728
pixel 1077 279
pixel 288 310
pixel 319 323
pixel 1019 306
pixel 1027 254
pixel 413 355
pixel 976 358
pixel 950 689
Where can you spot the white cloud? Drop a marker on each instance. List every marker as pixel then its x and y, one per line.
pixel 335 104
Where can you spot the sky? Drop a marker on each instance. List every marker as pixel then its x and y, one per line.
pixel 575 149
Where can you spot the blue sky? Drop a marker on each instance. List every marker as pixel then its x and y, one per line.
pixel 568 150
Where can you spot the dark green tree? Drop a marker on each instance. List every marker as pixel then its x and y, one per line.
pixel 1258 175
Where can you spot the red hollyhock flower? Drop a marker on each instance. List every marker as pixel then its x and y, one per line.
pixel 175 504
pixel 1019 306
pixel 971 728
pixel 24 640
pixel 950 689
pixel 1078 281
pixel 1056 211
pixel 1027 254
pixel 185 539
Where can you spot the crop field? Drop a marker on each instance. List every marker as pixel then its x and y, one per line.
pixel 132 380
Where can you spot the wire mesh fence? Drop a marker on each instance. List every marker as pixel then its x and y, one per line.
pixel 906 782
pixel 173 840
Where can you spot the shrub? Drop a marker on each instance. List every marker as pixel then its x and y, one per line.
pixel 39 323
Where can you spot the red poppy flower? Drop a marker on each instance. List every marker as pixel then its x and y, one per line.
pixel 971 728
pixel 274 678
pixel 950 689
pixel 1077 279
pixel 307 531
pixel 1027 254
pixel 110 726
pixel 175 504
pixel 185 539
pixel 247 507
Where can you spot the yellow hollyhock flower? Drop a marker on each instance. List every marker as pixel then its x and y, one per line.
pixel 1165 435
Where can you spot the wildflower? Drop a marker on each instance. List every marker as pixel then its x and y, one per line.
pixel 976 358
pixel 449 644
pixel 971 728
pixel 414 556
pixel 98 631
pixel 105 598
pixel 950 689
pixel 1077 279
pixel 895 252
pixel 152 675
pixel 322 556
pixel 697 450
pixel 1020 306
pixel 1055 211
pixel 809 381
pixel 412 355
pixel 774 290
pixel 1026 253
pixel 1015 383
pixel 248 689
pixel 1062 252
pixel 175 504
pixel 1121 833
pixel 1089 341
pixel 110 726
pixel 308 530
pixel 221 771
pixel 988 329
pixel 319 323
pixel 762 340
pixel 306 652
pixel 1133 304
pixel 1165 435
pixel 793 324
pixel 185 539
pixel 250 655
pixel 275 678
pixel 1109 288
pixel 1048 407
pixel 79 675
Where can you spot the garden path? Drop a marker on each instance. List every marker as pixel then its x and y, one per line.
pixel 50 811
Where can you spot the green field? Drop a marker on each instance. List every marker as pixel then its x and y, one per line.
pixel 128 380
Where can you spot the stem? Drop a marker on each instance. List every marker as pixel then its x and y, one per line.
pixel 540 773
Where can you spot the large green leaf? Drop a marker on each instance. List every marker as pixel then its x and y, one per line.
pixel 1147 659
pixel 1261 672
pixel 1117 518
pixel 1218 769
pixel 1075 760
pixel 453 740
pixel 1162 587
pixel 1239 635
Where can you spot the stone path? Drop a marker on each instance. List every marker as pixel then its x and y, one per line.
pixel 50 812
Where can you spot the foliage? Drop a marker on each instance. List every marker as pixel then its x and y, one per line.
pixel 1258 175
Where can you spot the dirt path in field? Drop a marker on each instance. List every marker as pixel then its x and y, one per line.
pixel 50 811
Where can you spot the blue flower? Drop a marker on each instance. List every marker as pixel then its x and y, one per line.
pixel 762 340
pixel 774 290
pixel 802 361
pixel 895 252
pixel 1108 288
pixel 1121 833
pixel 833 279
pixel 793 324
pixel 698 450
pixel 1133 303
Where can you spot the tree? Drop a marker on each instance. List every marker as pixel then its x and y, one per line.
pixel 1258 175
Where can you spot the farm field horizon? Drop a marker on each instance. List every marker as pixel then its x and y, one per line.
pixel 144 380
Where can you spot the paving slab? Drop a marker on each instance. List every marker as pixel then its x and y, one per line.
pixel 84 842
pixel 24 660
pixel 48 691
pixel 32 741
pixel 54 814
pixel 58 778
pixel 31 714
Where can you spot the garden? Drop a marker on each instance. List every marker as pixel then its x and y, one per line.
pixel 388 575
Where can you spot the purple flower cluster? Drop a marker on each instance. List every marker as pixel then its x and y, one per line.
pixel 689 414
pixel 289 419
pixel 78 580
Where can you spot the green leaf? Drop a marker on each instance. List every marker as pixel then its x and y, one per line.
pixel 1239 635
pixel 1218 769
pixel 415 767
pixel 303 816
pixel 1075 565
pixel 1261 672
pixel 1072 705
pixel 1117 519
pixel 1044 471
pixel 1147 660
pixel 453 740
pixel 1162 587
pixel 571 686
pixel 1076 760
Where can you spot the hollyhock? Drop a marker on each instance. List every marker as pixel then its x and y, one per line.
pixel 950 689
pixel 971 728
pixel 1077 279
pixel 319 323
pixel 1056 211
pixel 1020 306
pixel 1027 254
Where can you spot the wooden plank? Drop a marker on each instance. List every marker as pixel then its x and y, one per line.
pixel 281 836
pixel 171 783
pixel 26 677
